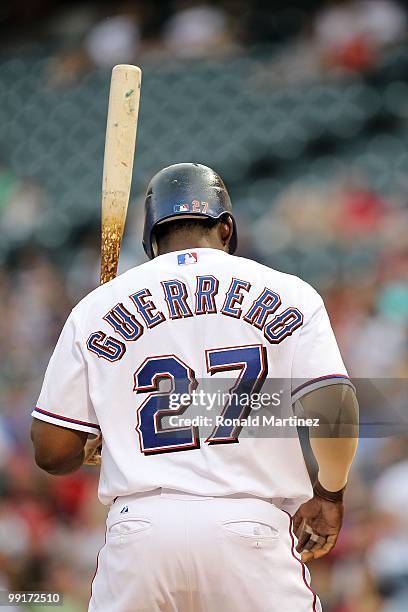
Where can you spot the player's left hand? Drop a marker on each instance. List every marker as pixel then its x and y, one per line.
pixel 317 524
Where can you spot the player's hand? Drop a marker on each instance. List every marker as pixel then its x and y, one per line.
pixel 93 447
pixel 317 524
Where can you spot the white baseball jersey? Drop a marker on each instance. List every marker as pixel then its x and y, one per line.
pixel 134 352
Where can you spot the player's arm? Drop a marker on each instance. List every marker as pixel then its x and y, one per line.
pixel 57 450
pixel 64 416
pixel 321 385
pixel 334 443
pixel 334 440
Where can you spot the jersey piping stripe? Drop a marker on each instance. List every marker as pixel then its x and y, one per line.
pixel 292 550
pixel 66 419
pixel 97 563
pixel 316 380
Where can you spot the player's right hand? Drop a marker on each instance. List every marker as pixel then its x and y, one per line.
pixel 92 450
pixel 317 524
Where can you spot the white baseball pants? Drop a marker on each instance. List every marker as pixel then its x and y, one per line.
pixel 173 552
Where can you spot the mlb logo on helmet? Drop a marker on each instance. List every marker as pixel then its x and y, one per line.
pixel 181 208
pixel 187 258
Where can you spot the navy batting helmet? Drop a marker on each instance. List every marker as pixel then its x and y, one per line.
pixel 185 191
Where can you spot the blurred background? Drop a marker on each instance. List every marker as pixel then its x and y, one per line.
pixel 302 107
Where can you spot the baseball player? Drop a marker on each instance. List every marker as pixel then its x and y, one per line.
pixel 203 515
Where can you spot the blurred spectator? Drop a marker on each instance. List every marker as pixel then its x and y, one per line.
pixel 22 204
pixel 388 561
pixel 196 30
pixel 112 40
pixel 350 33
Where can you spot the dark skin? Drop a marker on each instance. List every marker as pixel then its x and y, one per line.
pixel 217 237
pixel 317 525
pixel 59 450
pixel 317 522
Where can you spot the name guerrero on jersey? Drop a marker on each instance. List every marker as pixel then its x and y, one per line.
pixel 185 318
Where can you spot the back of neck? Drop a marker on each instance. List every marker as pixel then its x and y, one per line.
pixel 187 243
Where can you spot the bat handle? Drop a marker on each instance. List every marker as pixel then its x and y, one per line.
pixel 111 243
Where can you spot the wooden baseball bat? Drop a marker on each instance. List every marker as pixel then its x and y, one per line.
pixel 121 127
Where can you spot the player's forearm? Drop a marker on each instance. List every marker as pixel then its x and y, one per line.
pixel 335 441
pixel 334 458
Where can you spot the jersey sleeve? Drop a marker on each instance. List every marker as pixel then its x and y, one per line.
pixel 317 361
pixel 64 399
